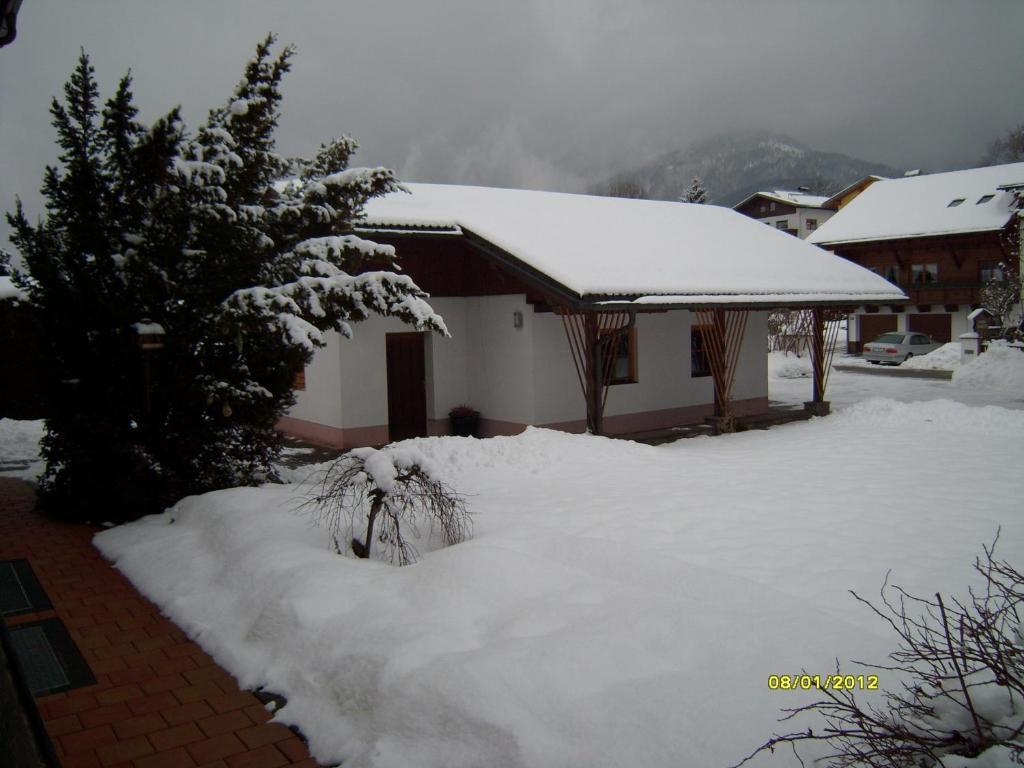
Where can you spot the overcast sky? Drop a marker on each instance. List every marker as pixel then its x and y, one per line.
pixel 552 94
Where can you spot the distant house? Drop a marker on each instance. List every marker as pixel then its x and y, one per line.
pixel 569 311
pixel 795 213
pixel 937 237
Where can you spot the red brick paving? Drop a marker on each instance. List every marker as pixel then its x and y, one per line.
pixel 159 700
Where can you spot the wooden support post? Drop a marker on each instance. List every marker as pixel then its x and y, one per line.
pixel 591 333
pixel 723 332
pixel 595 379
pixel 821 357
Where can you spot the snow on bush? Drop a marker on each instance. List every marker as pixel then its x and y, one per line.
pixel 961 665
pixel 395 488
pixel 1001 367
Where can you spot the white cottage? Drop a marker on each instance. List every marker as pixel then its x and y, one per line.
pixel 570 311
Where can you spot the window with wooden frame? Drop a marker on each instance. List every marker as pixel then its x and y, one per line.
pixel 299 378
pixel 924 273
pixel 623 357
pixel 892 274
pixel 700 361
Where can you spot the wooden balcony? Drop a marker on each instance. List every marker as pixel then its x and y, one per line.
pixel 942 293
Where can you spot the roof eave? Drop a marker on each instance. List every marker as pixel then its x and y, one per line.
pixel 888 238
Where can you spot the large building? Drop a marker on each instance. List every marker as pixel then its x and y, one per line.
pixel 938 237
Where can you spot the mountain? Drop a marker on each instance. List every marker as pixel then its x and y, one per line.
pixel 734 167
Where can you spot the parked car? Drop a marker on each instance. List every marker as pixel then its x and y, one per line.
pixel 894 348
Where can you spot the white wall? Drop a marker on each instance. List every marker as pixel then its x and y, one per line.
pixel 663 368
pixel 557 386
pixel 752 370
pixel 320 401
pixel 499 358
pixel 523 376
pixel 447 383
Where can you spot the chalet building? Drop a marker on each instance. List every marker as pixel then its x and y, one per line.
pixel 572 312
pixel 937 237
pixel 795 213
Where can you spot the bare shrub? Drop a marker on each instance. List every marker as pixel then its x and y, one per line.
pixel 386 495
pixel 964 666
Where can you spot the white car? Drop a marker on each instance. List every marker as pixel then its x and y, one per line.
pixel 898 346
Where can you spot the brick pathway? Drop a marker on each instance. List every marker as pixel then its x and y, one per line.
pixel 159 700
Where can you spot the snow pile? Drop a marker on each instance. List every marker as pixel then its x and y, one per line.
pixel 19 448
pixel 1001 367
pixel 619 604
pixel 782 365
pixel 945 358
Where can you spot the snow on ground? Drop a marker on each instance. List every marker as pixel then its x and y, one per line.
pixel 945 358
pixel 995 378
pixel 619 605
pixel 19 449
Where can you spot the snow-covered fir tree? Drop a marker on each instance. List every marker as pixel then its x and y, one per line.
pixel 696 193
pixel 243 271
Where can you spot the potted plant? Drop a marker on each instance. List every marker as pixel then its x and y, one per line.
pixel 465 421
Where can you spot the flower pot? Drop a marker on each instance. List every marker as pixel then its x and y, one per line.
pixel 464 424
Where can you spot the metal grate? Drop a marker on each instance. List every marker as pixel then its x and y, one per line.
pixel 48 659
pixel 12 594
pixel 20 591
pixel 43 671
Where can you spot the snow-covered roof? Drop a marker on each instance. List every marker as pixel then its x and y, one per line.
pixel 923 206
pixel 648 251
pixel 787 197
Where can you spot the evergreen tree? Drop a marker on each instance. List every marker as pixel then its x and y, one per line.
pixel 696 193
pixel 198 234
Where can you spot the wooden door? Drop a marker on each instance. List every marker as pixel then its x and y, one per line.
pixel 871 327
pixel 407 386
pixel 939 326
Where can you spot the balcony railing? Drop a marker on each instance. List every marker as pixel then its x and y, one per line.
pixel 943 292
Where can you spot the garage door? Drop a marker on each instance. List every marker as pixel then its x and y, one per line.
pixel 938 326
pixel 871 327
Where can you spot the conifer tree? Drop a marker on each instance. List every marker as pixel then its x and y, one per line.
pixel 696 193
pixel 197 234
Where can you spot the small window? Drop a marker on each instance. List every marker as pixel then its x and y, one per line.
pixel 924 273
pixel 764 208
pixel 771 206
pixel 956 202
pixel 984 199
pixel 783 224
pixel 700 363
pixel 892 274
pixel 299 380
pixel 623 362
pixel 990 270
pixel 812 224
